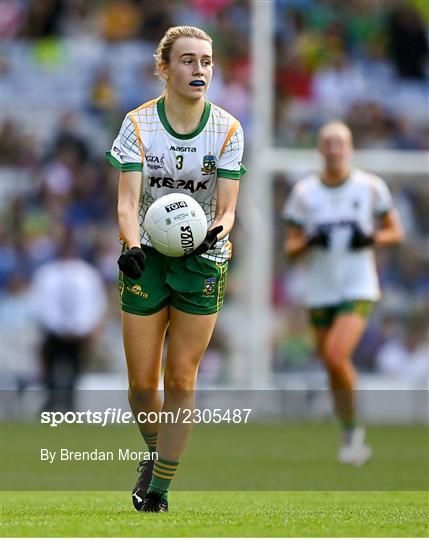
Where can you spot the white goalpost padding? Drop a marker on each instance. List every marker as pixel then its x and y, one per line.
pixel 251 360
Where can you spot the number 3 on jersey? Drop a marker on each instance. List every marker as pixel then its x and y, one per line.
pixel 179 163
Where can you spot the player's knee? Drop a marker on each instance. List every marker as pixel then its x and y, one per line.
pixel 143 391
pixel 178 381
pixel 334 357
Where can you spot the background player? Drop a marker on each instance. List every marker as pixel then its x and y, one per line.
pixel 338 217
pixel 176 143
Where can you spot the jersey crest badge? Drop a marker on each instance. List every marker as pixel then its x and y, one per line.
pixel 209 164
pixel 209 286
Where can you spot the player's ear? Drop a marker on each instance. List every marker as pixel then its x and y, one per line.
pixel 163 70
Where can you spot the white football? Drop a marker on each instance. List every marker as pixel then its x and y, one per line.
pixel 175 224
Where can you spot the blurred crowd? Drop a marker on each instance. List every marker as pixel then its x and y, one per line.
pixel 363 61
pixel 71 69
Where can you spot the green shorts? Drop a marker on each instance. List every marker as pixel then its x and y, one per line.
pixel 323 317
pixel 193 284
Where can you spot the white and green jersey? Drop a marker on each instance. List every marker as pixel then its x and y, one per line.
pixel 338 274
pixel 175 163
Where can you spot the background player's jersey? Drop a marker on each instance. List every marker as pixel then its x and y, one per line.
pixel 172 162
pixel 338 274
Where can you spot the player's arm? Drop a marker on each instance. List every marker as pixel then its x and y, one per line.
pixel 390 230
pixel 128 207
pixel 230 170
pixel 298 239
pixel 296 242
pixel 227 194
pixel 132 261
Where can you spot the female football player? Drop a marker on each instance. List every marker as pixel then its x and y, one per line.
pixel 179 142
pixel 338 217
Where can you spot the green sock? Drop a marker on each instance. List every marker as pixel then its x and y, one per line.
pixel 350 425
pixel 151 440
pixel 163 473
pixel 348 428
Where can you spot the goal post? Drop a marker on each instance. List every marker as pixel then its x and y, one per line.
pixel 255 205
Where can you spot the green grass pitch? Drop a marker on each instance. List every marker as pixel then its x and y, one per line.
pixel 205 514
pixel 274 480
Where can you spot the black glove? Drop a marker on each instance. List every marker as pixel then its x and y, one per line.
pixel 320 238
pixel 209 241
pixel 132 262
pixel 359 239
